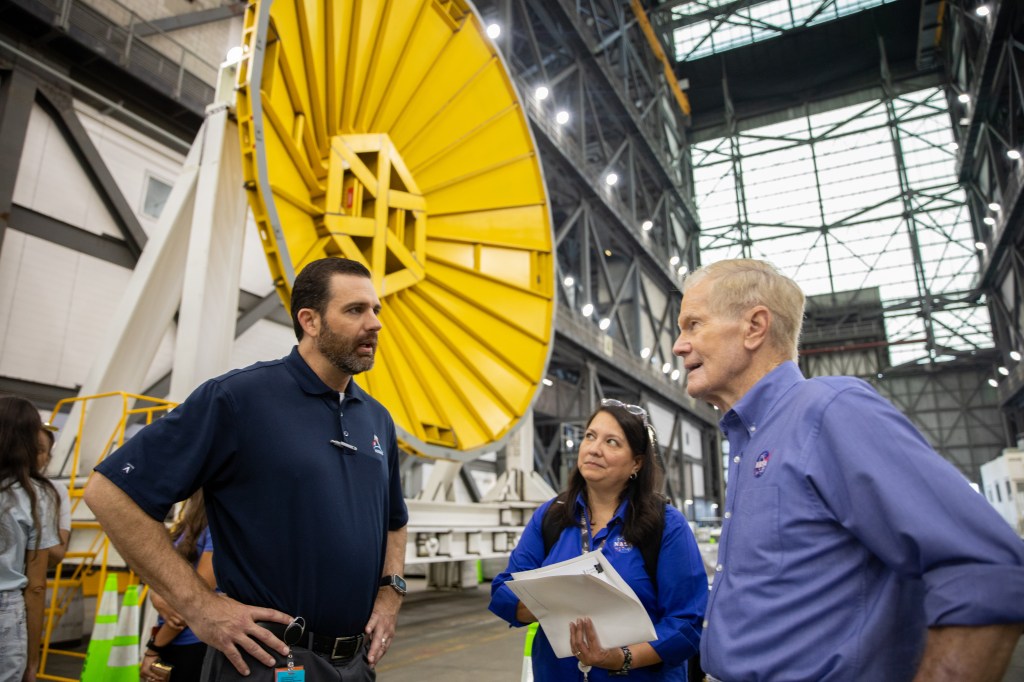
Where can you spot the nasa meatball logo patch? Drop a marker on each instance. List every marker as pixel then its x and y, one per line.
pixel 620 545
pixel 761 463
pixel 376 445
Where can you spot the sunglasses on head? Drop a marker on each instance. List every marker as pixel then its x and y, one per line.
pixel 632 409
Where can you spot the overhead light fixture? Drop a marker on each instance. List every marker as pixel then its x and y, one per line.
pixel 234 55
pixel 645 352
pixel 965 121
pixel 1012 154
pixel 569 444
pixel 541 93
pixel 562 117
pixel 993 383
pixel 1015 356
pixel 681 270
pixel 493 31
pixel 666 368
pixel 673 261
pixel 611 179
pixel 982 10
pixel 604 323
pixel 568 281
pixel 980 246
pixel 988 220
pixel 547 382
pixel 993 206
pixel 646 225
pixel 954 146
pixel 587 309
pixel 963 98
pixel 1005 372
pixel 675 374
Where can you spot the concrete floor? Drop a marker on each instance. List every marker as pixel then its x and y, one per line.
pixel 451 636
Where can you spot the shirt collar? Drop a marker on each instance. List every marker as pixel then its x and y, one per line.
pixel 312 384
pixel 754 407
pixel 620 511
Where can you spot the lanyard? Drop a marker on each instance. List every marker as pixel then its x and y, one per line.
pixel 585 534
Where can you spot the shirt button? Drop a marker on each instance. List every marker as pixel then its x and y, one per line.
pixel 753 428
pixel 728 515
pixel 346 434
pixel 705 625
pixel 718 568
pixel 341 414
pixel 736 459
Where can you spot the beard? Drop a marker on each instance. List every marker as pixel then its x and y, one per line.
pixel 343 352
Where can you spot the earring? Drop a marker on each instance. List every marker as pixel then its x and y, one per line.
pixel 632 476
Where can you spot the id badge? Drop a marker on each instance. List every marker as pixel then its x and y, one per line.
pixel 296 674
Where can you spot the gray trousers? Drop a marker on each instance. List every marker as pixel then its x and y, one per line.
pixel 216 668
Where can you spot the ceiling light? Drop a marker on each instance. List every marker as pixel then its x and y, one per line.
pixel 673 261
pixel 604 323
pixel 646 225
pixel 541 93
pixel 645 352
pixel 1012 154
pixel 681 270
pixel 1005 372
pixel 569 444
pixel 993 206
pixel 675 374
pixel 562 117
pixel 568 281
pixel 608 253
pixel 980 246
pixel 988 220
pixel 964 121
pixel 611 179
pixel 964 98
pixel 493 31
pixel 993 383
pixel 666 368
pixel 982 10
pixel 547 382
pixel 234 54
pixel 1015 356
pixel 587 309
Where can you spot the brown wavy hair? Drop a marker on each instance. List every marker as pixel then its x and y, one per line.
pixel 20 426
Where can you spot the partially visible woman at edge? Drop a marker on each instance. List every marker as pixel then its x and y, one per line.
pixel 613 505
pixel 28 528
pixel 173 642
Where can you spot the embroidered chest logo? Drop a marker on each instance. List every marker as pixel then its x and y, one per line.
pixel 761 463
pixel 128 468
pixel 620 545
pixel 376 446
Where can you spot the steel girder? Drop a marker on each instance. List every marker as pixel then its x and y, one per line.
pixel 619 293
pixel 985 69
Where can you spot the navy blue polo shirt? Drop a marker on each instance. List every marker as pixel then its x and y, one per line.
pixel 299 524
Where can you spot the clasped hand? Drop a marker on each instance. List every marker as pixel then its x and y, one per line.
pixel 587 648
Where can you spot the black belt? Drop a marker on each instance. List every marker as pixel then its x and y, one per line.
pixel 335 648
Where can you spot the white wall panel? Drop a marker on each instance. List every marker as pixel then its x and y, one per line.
pixel 265 340
pixel 52 182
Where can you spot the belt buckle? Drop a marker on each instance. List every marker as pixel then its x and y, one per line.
pixel 351 644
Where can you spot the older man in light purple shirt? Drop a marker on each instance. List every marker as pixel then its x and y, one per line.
pixel 850 550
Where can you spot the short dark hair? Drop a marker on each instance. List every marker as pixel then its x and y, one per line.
pixel 312 286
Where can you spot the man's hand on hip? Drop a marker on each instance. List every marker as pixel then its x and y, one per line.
pixel 230 626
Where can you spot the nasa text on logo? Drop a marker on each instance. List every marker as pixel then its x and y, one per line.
pixel 761 463
pixel 376 446
pixel 621 545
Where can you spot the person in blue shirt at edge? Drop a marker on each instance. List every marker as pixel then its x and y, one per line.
pixel 173 643
pixel 850 550
pixel 611 506
pixel 299 471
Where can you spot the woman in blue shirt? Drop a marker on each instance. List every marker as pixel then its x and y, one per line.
pixel 612 505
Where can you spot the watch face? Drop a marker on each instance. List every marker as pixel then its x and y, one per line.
pixel 399 583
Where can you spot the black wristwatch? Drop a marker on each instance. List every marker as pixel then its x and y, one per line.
pixel 396 582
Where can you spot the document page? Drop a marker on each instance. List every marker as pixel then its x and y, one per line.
pixel 584 586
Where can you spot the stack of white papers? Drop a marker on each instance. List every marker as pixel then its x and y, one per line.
pixel 584 586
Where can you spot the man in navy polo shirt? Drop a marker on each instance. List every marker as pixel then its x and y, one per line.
pixel 850 550
pixel 299 468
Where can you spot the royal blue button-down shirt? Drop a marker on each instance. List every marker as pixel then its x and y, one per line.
pixel 676 606
pixel 844 537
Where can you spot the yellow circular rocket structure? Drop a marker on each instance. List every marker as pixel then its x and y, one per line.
pixel 390 132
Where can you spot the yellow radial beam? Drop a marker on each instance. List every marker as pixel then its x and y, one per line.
pixel 389 132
